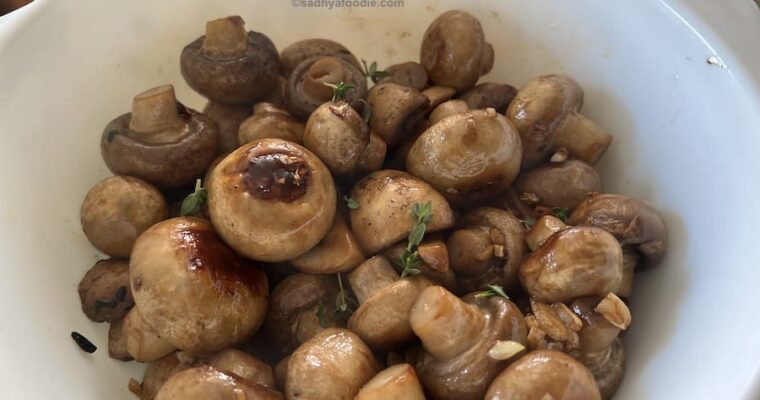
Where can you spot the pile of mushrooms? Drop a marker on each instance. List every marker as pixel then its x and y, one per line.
pixel 425 235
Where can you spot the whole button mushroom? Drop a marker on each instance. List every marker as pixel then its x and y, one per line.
pixel 373 156
pixel 104 291
pixel 229 65
pixel 438 95
pixel 228 118
pixel 542 230
pixel 338 135
pixel 454 50
pixel 117 210
pixel 457 336
pixel 243 365
pixel 493 95
pixel 382 319
pixel 272 200
pixel 337 252
pixel 160 141
pixel 395 110
pixel 270 121
pixel 631 221
pixel 560 184
pixel 143 343
pixel 306 89
pixel 574 262
pixel 194 290
pixel 305 49
pixel 409 74
pixel 384 215
pixel 544 374
pixel 546 113
pixel 333 365
pixel 395 382
pixel 206 383
pixel 468 156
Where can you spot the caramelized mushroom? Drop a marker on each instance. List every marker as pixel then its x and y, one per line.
pixel 493 95
pixel 245 366
pixel 560 184
pixel 270 121
pixel 157 373
pixel 228 118
pixel 409 74
pixel 542 230
pixel 338 135
pixel 396 382
pixel 373 155
pixel 395 110
pixel 205 382
pixel 337 252
pixel 447 109
pixel 104 291
pixel 306 89
pixel 438 95
pixel 305 49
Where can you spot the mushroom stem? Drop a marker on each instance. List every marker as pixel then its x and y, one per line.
pixel 470 251
pixel 154 113
pixel 324 70
pixel 446 325
pixel 371 276
pixel 582 138
pixel 225 37
pixel 542 230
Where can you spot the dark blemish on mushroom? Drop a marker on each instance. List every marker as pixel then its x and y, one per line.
pixel 138 283
pixel 111 135
pixel 277 176
pixel 85 344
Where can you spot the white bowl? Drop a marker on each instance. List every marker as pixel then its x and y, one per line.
pixel 687 138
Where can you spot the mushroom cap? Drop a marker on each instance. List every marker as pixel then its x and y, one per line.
pixel 206 383
pixel 305 49
pixel 468 156
pixel 409 73
pixel 396 382
pixel 382 320
pixel 193 289
pixel 333 365
pixel 437 95
pixel 117 342
pixel 166 165
pixel 157 373
pixel 447 109
pixel 373 156
pixel 329 70
pixel 560 184
pixel 489 94
pixel 453 50
pixel 631 221
pixel 117 210
pixel 244 365
pixel 395 110
pixel 338 135
pixel 385 202
pixel 235 80
pixel 270 121
pixel 104 291
pixel 228 118
pixel 143 343
pixel 337 252
pixel 544 374
pixel 574 262
pixel 272 200
pixel 538 110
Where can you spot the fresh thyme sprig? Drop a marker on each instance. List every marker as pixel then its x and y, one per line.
pixel 344 305
pixel 561 213
pixel 373 73
pixel 193 203
pixel 339 89
pixel 410 258
pixel 493 290
pixel 351 203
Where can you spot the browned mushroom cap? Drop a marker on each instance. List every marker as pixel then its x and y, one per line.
pixel 384 215
pixel 395 110
pixel 194 290
pixel 434 260
pixel 631 221
pixel 294 314
pixel 117 342
pixel 228 118
pixel 160 141
pixel 410 74
pixel 542 230
pixel 117 210
pixel 397 158
pixel 305 49
pixel 454 50
pixel 143 343
pixel 337 252
pixel 245 366
pixel 544 374
pixel 270 121
pixel 204 383
pixel 493 95
pixel 545 112
pixel 467 157
pixel 437 95
pixel 373 155
pixel 396 382
pixel 338 135
pixel 104 291
pixel 574 262
pixel 457 336
pixel 488 238
pixel 272 200
pixel 157 373
pixel 333 365
pixel 229 65
pixel 560 184
pixel 447 109
pixel 306 89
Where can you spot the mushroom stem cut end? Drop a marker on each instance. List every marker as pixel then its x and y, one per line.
pixel 225 37
pixel 324 70
pixel 154 111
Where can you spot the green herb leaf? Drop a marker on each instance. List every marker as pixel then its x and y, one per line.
pixel 339 89
pixel 366 112
pixel 561 213
pixel 193 203
pixel 528 222
pixel 372 72
pixel 321 315
pixel 493 290
pixel 343 302
pixel 410 258
pixel 351 203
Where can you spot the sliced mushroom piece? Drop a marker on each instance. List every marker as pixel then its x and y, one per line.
pixel 160 141
pixel 385 202
pixel 333 365
pixel 396 382
pixel 272 200
pixel 305 49
pixel 631 221
pixel 337 252
pixel 104 291
pixel 563 184
pixel 117 210
pixel 306 89
pixel 206 382
pixel 245 366
pixel 574 262
pixel 544 374
pixel 117 342
pixel 144 344
pixel 456 336
pixel 493 95
pixel 542 230
pixel 468 157
pixel 270 121
pixel 395 110
pixel 193 289
pixel 447 109
pixel 338 135
pixel 229 65
pixel 546 113
pixel 228 118
pixel 434 257
pixel 409 74
pixel 454 50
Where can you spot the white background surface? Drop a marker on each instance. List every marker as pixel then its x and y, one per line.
pixel 687 137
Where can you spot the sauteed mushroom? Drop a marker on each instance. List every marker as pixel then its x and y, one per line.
pixel 396 382
pixel 338 135
pixel 409 74
pixel 485 95
pixel 305 49
pixel 560 184
pixel 206 382
pixel 104 291
pixel 337 252
pixel 144 344
pixel 270 121
pixel 306 89
pixel 395 110
pixel 228 118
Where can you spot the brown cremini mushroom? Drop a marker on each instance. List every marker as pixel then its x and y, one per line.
pixel 160 141
pixel 228 118
pixel 447 109
pixel 229 65
pixel 117 342
pixel 373 156
pixel 396 382
pixel 409 74
pixel 337 252
pixel 454 50
pixel 243 365
pixel 493 95
pixel 467 157
pixel 438 95
pixel 306 89
pixel 395 110
pixel 270 121
pixel 193 289
pixel 117 210
pixel 338 135
pixel 560 184
pixel 144 344
pixel 104 291
pixel 333 365
pixel 206 382
pixel 305 49
pixel 272 200
pixel 574 262
pixel 546 113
